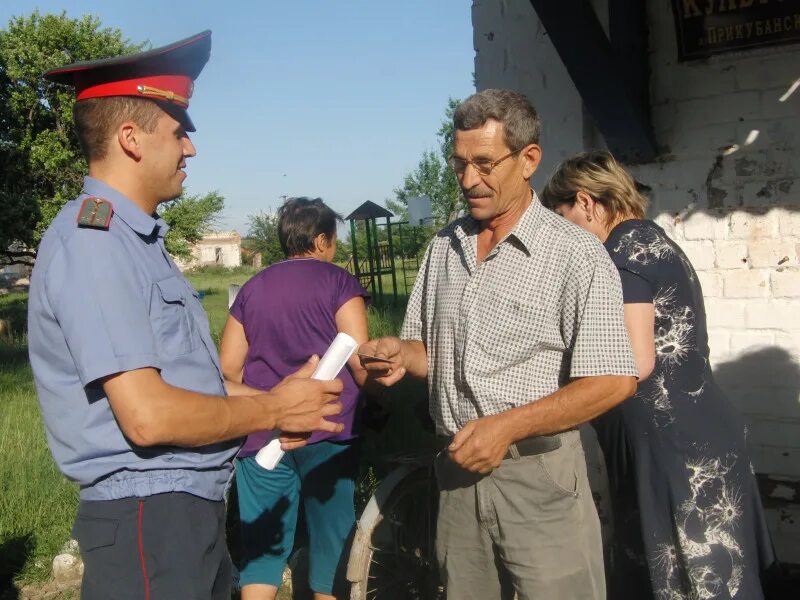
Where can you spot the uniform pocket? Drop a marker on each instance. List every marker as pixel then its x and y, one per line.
pixel 93 533
pixel 169 316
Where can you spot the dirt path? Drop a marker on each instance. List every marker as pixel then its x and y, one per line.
pixel 48 590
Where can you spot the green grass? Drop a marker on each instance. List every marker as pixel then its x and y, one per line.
pixel 37 504
pixel 14 309
pixel 212 283
pixel 402 407
pixel 404 286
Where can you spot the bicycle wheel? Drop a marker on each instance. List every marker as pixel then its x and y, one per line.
pixel 401 559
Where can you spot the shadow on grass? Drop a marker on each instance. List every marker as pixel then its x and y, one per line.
pixel 14 553
pixel 13 354
pixel 210 292
pixel 14 308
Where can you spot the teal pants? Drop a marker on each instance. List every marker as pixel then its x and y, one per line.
pixel 321 476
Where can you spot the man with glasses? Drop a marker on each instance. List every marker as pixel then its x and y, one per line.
pixel 516 320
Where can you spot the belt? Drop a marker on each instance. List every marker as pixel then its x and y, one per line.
pixel 532 446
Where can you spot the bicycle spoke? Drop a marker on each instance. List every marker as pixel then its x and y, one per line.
pixel 402 564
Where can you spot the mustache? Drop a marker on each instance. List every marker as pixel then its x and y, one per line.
pixel 477 193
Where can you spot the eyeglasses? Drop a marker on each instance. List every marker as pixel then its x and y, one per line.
pixel 482 166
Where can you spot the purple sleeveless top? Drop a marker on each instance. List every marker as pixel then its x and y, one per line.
pixel 288 311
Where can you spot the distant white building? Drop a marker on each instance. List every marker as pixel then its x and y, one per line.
pixel 223 248
pixel 15 271
pixel 18 271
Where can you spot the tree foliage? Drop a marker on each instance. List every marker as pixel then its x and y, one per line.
pixel 189 218
pixel 262 237
pixel 343 251
pixel 432 177
pixel 41 165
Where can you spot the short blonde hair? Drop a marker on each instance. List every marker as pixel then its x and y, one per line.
pixel 598 174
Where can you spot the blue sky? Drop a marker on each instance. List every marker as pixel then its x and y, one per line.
pixel 305 97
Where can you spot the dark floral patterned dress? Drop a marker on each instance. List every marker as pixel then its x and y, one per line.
pixel 689 524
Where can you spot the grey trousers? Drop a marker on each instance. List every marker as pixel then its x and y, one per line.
pixel 528 527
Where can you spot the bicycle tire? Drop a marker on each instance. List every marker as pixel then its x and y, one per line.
pixel 400 560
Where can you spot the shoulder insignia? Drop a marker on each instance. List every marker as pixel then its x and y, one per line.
pixel 95 213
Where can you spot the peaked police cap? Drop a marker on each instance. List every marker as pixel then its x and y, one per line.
pixel 165 75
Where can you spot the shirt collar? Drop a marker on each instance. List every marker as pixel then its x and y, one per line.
pixel 524 231
pixel 526 228
pixel 125 209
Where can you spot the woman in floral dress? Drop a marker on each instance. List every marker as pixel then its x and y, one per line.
pixel 688 517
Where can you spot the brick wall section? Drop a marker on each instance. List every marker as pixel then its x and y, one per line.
pixel 750 279
pixel 726 187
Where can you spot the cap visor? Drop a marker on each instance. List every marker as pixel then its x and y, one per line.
pixel 177 113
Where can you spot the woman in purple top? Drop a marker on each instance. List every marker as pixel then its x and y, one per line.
pixel 286 313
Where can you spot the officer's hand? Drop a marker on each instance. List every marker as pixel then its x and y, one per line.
pixel 383 360
pixel 292 441
pixel 481 445
pixel 300 405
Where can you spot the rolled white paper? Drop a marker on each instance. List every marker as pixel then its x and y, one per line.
pixel 334 359
pixel 270 455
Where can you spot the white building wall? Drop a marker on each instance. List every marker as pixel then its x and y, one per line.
pixel 222 248
pixel 512 51
pixel 726 187
pixel 224 253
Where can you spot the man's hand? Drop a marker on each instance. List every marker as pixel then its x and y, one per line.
pixel 292 441
pixel 481 445
pixel 392 368
pixel 299 404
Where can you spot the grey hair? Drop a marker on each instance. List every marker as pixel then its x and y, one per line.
pixel 520 120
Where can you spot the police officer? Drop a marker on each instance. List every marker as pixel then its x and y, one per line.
pixel 126 371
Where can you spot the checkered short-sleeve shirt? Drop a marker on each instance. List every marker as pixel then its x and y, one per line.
pixel 544 306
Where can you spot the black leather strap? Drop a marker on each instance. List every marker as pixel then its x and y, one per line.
pixel 535 445
pixel 527 447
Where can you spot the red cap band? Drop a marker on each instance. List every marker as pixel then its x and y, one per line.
pixel 170 88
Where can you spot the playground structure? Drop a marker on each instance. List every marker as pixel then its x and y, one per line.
pixel 371 263
pixel 374 258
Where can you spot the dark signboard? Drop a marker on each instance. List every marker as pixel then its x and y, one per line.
pixel 706 27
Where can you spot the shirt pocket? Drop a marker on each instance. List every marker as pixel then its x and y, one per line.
pixel 172 323
pixel 514 328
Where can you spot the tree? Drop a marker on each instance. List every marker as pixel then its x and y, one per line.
pixel 262 237
pixel 433 177
pixel 189 218
pixel 343 251
pixel 41 165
